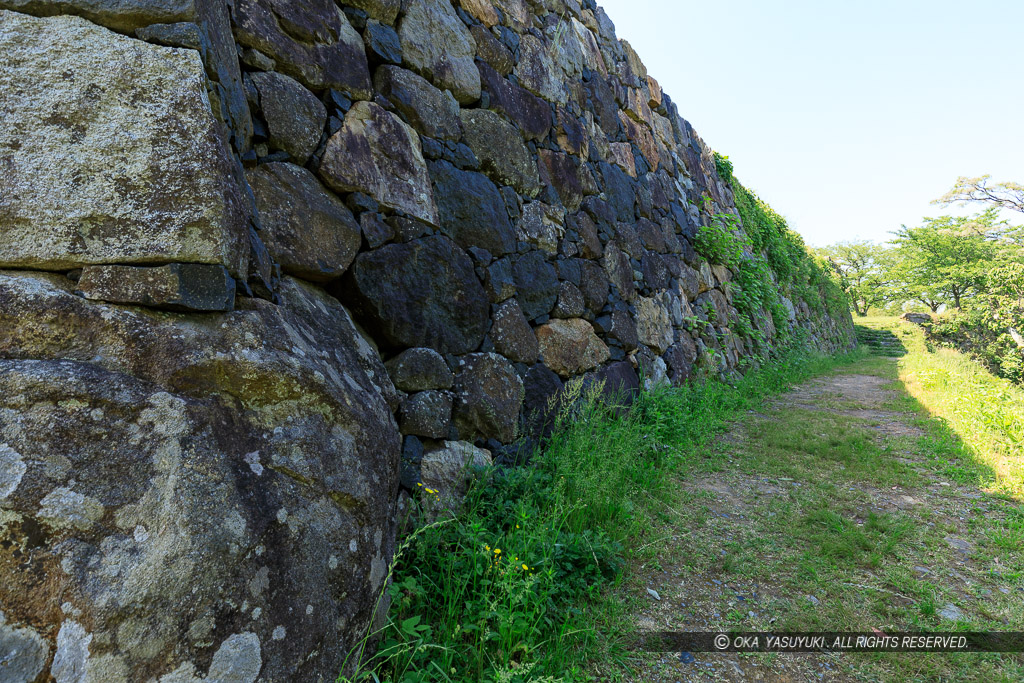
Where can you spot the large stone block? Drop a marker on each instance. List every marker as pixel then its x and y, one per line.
pixel 488 396
pixel 420 369
pixel 472 210
pixel 295 117
pixel 436 44
pixel 500 149
pixel 512 335
pixel 378 154
pixel 207 497
pixel 536 284
pixel 311 41
pixel 176 286
pixel 570 347
pixel 109 152
pixel 529 112
pixel 430 111
pixel 653 324
pixel 449 470
pixel 120 15
pixel 306 228
pixel 422 293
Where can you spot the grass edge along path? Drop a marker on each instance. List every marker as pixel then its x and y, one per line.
pixel 883 494
pixel 517 587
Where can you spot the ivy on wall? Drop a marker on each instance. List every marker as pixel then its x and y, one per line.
pixel 769 261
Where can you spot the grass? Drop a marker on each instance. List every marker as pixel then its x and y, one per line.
pixel 881 494
pixel 840 506
pixel 518 586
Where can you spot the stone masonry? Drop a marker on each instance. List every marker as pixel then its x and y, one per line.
pixel 264 263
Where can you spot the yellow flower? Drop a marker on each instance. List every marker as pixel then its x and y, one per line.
pixel 525 567
pixel 487 546
pixel 517 526
pixel 497 551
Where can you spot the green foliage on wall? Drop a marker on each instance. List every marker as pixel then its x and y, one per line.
pixel 769 261
pixel 724 167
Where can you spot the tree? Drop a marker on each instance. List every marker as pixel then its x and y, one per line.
pixel 1008 196
pixel 949 257
pixel 862 270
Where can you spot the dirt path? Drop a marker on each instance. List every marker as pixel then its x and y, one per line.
pixel 833 508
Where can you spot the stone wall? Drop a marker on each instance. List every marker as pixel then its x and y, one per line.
pixel 265 262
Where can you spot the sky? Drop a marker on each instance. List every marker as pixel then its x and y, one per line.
pixel 847 117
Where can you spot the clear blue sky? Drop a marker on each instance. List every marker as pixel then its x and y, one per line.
pixel 847 117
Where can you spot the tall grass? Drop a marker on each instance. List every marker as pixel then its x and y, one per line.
pixel 985 411
pixel 513 589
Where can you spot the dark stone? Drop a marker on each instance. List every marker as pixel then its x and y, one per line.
pixel 500 149
pixel 570 302
pixel 541 384
pixel 628 240
pixel 382 43
pixel 509 38
pixel 489 395
pixel 360 202
pixel 420 293
pixel 333 125
pixel 618 326
pixel 673 245
pixel 412 456
pixel 491 50
pixel 530 113
pixel 432 149
pixel 274 157
pixel 420 370
pixel 512 335
pixel 407 228
pixel 518 454
pixel 427 414
pixel 499 280
pixel 618 188
pixel 651 235
pixel 432 112
pixel 562 171
pixel 376 230
pixel 687 228
pixel 570 134
pixel 481 257
pixel 356 17
pixel 594 286
pixel 621 384
pixel 655 269
pixel 680 358
pixel 471 209
pixel 600 211
pixel 569 270
pixel 644 204
pixel 464 158
pixel 262 276
pixel 305 228
pixel 536 284
pixel 589 241
pixel 337 100
pixel 176 286
pixel 309 41
pixel 605 108
pixel 181 34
